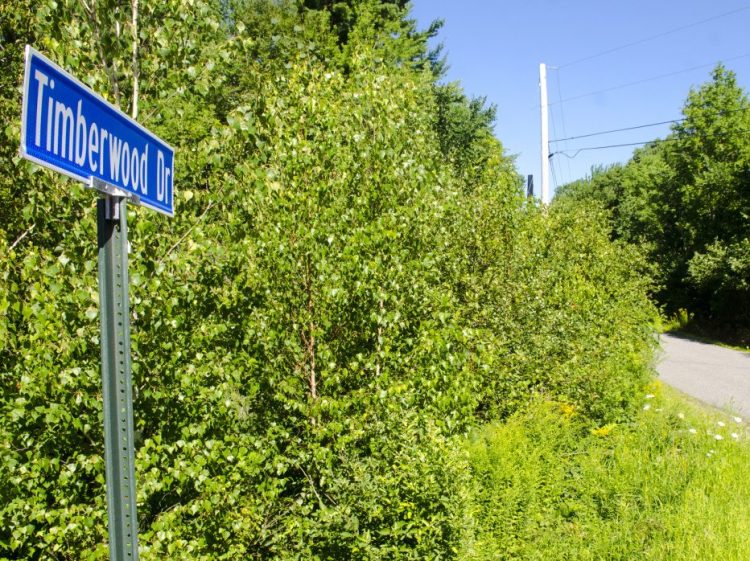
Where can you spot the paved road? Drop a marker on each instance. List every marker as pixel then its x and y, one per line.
pixel 714 375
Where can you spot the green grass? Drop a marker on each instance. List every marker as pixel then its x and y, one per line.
pixel 664 487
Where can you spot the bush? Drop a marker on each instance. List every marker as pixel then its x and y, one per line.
pixel 557 308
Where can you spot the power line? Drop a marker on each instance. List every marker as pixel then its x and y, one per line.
pixel 644 80
pixel 653 142
pixel 589 148
pixel 553 122
pixel 636 127
pixel 562 117
pixel 617 130
pixel 653 37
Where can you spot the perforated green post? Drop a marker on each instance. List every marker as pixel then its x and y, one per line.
pixel 116 378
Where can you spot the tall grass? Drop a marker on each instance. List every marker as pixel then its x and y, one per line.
pixel 671 485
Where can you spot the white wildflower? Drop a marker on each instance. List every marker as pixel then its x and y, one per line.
pixel 681 416
pixel 737 419
pixel 646 407
pixel 650 396
pixel 718 437
pixel 735 435
pixel 692 431
pixel 721 424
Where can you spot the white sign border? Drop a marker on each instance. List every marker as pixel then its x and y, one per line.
pixel 88 181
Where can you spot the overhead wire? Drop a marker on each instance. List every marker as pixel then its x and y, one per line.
pixel 552 163
pixel 589 148
pixel 642 143
pixel 562 117
pixel 647 125
pixel 612 131
pixel 651 79
pixel 644 126
pixel 654 37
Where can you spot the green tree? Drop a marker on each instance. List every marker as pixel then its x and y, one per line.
pixel 684 199
pixel 464 127
pixel 711 199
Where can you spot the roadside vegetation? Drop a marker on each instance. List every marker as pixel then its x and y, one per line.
pixel 664 487
pixel 357 339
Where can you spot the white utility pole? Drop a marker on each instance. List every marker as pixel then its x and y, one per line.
pixel 545 132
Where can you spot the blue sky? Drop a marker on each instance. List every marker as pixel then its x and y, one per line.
pixel 494 49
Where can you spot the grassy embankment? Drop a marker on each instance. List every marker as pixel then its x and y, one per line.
pixel 671 485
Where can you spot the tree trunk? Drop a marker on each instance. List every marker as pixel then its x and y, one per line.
pixel 136 71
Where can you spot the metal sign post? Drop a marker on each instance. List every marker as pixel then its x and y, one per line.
pixel 67 127
pixel 116 378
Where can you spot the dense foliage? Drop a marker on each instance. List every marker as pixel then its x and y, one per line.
pixel 353 281
pixel 686 199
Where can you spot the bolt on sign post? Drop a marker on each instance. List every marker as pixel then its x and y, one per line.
pixel 67 127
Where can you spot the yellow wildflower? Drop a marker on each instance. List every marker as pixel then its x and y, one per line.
pixel 567 409
pixel 603 431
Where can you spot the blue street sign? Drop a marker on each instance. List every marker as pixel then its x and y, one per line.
pixel 67 127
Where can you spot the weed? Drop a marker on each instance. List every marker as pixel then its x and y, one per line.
pixel 666 486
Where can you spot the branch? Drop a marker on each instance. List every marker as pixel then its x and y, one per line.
pixel 185 235
pixel 380 336
pixel 22 236
pixel 91 11
pixel 312 485
pixel 135 69
pixel 310 350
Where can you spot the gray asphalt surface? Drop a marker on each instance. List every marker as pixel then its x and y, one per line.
pixel 712 374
